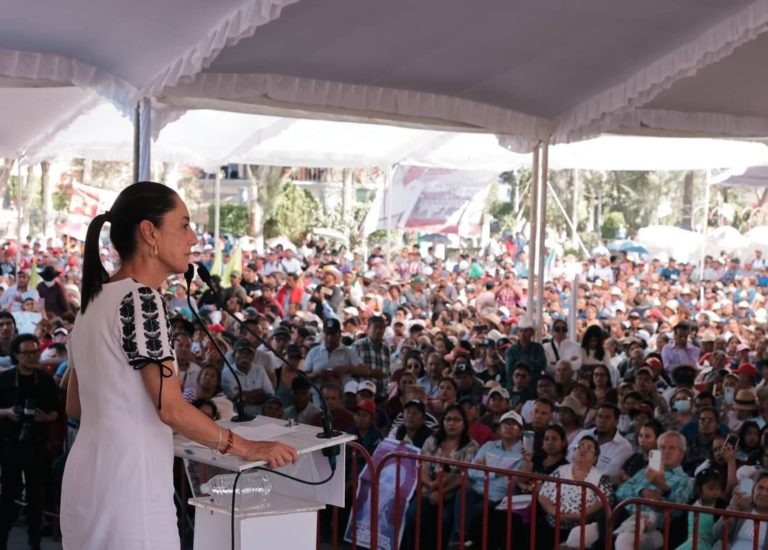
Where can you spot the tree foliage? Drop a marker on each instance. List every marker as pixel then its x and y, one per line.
pixel 291 214
pixel 234 218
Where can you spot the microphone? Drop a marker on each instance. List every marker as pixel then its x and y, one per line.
pixel 240 404
pixel 328 431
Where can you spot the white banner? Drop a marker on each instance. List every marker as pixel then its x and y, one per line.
pixel 432 200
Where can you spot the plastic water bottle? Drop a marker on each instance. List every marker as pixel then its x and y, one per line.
pixel 252 489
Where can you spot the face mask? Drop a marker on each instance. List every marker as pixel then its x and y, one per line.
pixel 684 405
pixel 49 284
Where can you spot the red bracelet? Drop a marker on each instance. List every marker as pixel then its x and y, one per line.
pixel 230 442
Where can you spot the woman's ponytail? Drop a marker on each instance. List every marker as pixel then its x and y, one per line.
pixel 94 274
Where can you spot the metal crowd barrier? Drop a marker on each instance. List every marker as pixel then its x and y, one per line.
pixel 535 481
pixel 669 507
pixel 337 515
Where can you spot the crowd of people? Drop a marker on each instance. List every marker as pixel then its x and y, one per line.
pixel 659 391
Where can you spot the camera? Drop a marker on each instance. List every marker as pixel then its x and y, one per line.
pixel 27 414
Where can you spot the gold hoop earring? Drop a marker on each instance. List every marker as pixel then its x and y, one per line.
pixel 153 252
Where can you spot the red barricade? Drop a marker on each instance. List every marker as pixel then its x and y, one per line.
pixel 356 453
pixel 668 507
pixel 533 480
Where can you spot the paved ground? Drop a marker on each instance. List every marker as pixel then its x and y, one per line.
pixel 18 540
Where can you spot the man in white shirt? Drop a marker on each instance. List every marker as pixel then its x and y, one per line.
pixel 614 449
pixel 331 360
pixel 256 385
pixel 15 295
pixel 290 263
pixel 561 348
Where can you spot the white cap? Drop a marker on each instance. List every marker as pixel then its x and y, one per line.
pixel 366 385
pixel 672 304
pixel 351 310
pixel 615 291
pixel 743 303
pixel 525 322
pixel 351 387
pixel 512 415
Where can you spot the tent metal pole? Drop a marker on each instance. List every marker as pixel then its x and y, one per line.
pixel 145 134
pixel 217 214
pixel 136 138
pixel 543 173
pixel 388 210
pixel 572 310
pixel 707 191
pixel 19 203
pixel 534 229
pixel 567 217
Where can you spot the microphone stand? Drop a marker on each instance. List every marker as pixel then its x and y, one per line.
pixel 240 404
pixel 328 431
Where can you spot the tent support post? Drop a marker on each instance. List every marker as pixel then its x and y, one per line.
pixel 707 191
pixel 388 210
pixel 19 204
pixel 142 130
pixel 534 229
pixel 577 240
pixel 217 215
pixel 543 182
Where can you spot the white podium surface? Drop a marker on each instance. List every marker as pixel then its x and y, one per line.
pixel 288 517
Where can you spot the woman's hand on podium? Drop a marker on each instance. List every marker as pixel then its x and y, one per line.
pixel 276 454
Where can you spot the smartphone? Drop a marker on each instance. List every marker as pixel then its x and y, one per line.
pixel 654 460
pixel 746 485
pixel 728 394
pixel 528 441
pixel 733 441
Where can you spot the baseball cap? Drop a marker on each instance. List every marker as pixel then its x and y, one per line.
pixel 351 387
pixel 645 370
pixel 243 345
pixel 747 368
pixel 416 403
pixel 570 402
pixel 366 385
pixel 281 331
pixel 366 405
pixel 653 363
pixel 512 415
pixel 499 391
pixel 331 325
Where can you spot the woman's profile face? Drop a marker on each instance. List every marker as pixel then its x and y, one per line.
pixel 175 238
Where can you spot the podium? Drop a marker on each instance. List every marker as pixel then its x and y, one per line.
pixel 287 518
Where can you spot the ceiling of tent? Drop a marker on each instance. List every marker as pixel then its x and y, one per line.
pixel 133 41
pixel 524 70
pixel 527 56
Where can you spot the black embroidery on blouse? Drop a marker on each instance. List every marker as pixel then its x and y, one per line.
pixel 150 325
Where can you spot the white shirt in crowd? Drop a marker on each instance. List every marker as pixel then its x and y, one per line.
pixel 612 454
pixel 567 349
pixel 255 379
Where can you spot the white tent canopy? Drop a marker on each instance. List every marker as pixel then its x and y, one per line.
pixel 212 138
pixel 755 177
pixel 525 70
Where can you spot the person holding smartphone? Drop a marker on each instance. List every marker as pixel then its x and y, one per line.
pixel 669 483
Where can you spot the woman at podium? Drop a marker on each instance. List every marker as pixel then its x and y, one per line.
pixel 117 491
